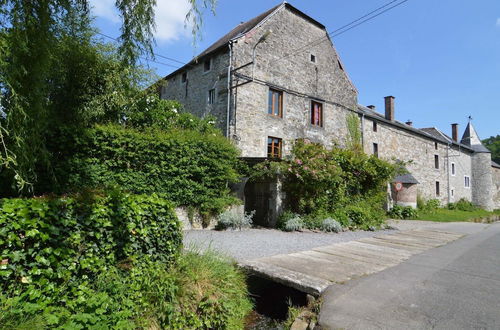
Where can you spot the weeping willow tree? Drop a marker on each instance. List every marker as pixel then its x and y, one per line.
pixel 46 58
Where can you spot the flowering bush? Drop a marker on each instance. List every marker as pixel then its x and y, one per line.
pixel 322 181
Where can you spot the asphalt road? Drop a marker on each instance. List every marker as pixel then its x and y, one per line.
pixel 456 286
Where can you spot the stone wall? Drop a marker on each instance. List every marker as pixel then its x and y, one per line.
pixel 482 180
pixel 193 93
pixel 419 151
pixel 300 80
pixel 496 187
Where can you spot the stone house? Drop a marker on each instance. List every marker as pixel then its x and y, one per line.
pixel 277 78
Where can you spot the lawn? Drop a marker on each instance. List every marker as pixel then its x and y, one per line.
pixel 446 215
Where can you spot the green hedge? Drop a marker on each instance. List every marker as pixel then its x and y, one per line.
pixel 192 168
pixel 52 245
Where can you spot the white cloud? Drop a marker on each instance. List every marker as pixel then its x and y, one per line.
pixel 169 17
pixel 498 22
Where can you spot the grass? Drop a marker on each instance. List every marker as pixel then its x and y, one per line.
pixel 446 215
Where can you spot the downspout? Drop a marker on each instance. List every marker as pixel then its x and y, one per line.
pixel 229 68
pixel 363 131
pixel 448 170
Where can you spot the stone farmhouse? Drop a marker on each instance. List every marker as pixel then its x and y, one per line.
pixel 277 78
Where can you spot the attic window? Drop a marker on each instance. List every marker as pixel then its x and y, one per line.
pixel 374 126
pixel 207 65
pixel 184 77
pixel 313 58
pixel 340 65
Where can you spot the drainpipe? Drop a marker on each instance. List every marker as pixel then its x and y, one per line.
pixel 363 131
pixel 229 68
pixel 448 170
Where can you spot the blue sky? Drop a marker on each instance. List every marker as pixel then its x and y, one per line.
pixel 440 59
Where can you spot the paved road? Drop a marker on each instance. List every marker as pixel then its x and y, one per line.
pixel 456 286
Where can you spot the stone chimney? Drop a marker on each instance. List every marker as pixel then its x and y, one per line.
pixel 389 108
pixel 454 132
pixel 409 122
pixel 371 107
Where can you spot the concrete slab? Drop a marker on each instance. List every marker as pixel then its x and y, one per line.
pixel 386 251
pixel 347 253
pixel 399 246
pixel 406 240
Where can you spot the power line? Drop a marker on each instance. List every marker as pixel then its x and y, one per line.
pixel 363 19
pixel 151 60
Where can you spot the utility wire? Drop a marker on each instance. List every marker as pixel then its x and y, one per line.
pixel 351 25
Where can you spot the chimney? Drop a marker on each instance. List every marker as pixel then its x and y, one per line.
pixel 389 108
pixel 409 122
pixel 371 107
pixel 454 132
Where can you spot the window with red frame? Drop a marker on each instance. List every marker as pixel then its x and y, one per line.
pixel 316 114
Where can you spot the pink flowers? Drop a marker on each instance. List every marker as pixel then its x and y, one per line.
pixel 298 161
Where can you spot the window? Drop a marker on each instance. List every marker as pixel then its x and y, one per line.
pixel 207 65
pixel 437 188
pixel 275 103
pixel 313 58
pixel 375 149
pixel 211 96
pixel 316 114
pixel 374 126
pixel 436 145
pixel 273 147
pixel 452 192
pixel 453 169
pixel 184 77
pixel 466 181
pixel 436 162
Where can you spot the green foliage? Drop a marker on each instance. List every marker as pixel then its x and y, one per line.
pixel 321 183
pixel 429 205
pixel 294 224
pixel 187 166
pixel 402 212
pixel 232 219
pixel 332 225
pixel 197 292
pixel 354 129
pixel 52 245
pixel 462 205
pixel 493 144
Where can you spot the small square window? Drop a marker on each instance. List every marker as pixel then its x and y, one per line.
pixel 184 77
pixel 207 65
pixel 313 58
pixel 453 169
pixel 436 162
pixel 274 146
pixel 466 181
pixel 437 189
pixel 316 114
pixel 375 149
pixel 375 126
pixel 275 103
pixel 211 96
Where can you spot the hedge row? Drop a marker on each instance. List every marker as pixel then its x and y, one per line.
pixel 190 167
pixel 50 245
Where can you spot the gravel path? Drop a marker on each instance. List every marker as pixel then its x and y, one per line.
pixel 256 243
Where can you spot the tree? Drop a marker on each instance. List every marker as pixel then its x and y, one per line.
pixel 35 89
pixel 493 144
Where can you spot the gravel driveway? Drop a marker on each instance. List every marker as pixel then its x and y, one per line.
pixel 256 243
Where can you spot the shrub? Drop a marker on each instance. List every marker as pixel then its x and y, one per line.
pixel 232 219
pixel 294 224
pixel 332 225
pixel 402 212
pixel 431 205
pixel 198 292
pixel 462 205
pixel 49 245
pixel 192 168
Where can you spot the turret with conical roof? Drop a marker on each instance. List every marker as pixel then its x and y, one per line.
pixel 482 180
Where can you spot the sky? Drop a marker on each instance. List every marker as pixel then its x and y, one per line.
pixel 440 59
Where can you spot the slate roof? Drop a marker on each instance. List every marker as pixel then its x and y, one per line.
pixel 406 178
pixel 470 138
pixel 240 30
pixel 430 133
pixel 495 164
